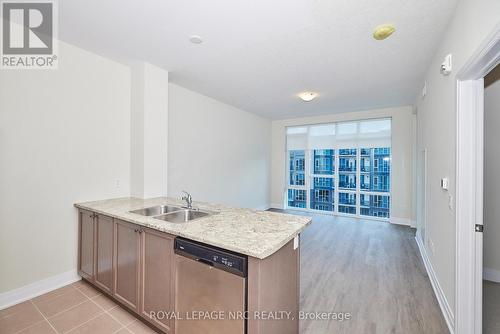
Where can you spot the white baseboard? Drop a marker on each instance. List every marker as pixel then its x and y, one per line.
pixel 449 317
pixel 38 288
pixel 263 207
pixel 402 221
pixel 491 275
pixel 276 206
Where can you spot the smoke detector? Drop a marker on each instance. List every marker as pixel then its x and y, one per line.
pixel 195 39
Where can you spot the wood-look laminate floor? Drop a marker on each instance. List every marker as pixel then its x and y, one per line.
pixel 491 307
pixel 370 269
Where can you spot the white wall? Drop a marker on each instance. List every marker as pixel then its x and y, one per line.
pixel 217 152
pixel 64 138
pixel 149 131
pixel 402 163
pixel 491 168
pixel 470 25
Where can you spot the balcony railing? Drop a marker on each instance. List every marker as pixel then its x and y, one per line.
pixel 381 170
pixel 349 185
pixel 322 200
pixel 347 152
pixel 382 188
pixel 347 169
pixel 380 206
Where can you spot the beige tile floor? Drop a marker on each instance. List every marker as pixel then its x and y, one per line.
pixel 76 308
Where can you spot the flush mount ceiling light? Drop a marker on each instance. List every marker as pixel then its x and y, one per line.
pixel 383 31
pixel 195 39
pixel 308 96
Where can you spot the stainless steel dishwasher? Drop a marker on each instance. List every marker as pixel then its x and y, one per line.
pixel 210 289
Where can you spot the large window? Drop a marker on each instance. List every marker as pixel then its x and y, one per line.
pixel 340 167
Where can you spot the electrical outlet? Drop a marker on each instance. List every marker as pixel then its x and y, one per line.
pixel 450 201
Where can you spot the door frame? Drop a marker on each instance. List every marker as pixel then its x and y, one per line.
pixel 469 185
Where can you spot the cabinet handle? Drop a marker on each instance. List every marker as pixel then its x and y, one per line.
pixel 136 230
pixel 141 230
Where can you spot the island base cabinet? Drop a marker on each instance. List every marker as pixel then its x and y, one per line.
pixel 273 285
pixel 157 281
pixel 135 266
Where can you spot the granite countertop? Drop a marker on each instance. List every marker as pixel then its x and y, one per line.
pixel 251 232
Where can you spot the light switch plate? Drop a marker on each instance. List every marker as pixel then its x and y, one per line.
pixel 446 65
pixel 296 242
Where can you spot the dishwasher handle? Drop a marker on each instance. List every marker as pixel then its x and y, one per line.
pixel 210 263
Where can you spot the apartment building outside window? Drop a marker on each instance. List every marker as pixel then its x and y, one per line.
pixel 360 185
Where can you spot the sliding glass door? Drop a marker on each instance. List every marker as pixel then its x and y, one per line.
pixel 341 168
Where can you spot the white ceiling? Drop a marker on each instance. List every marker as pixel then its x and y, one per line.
pixel 258 54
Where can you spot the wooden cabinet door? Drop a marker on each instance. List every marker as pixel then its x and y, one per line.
pixel 86 234
pixel 127 257
pixel 157 283
pixel 104 252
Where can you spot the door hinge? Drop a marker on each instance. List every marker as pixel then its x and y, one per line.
pixel 479 228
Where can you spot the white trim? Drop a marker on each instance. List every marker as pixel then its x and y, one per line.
pixel 484 59
pixel 469 184
pixel 492 275
pixel 438 290
pixel 38 288
pixel 276 206
pixel 402 221
pixel 468 261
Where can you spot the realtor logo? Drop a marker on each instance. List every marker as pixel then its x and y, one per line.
pixel 28 35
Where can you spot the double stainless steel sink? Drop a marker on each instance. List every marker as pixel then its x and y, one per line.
pixel 172 214
pixel 156 210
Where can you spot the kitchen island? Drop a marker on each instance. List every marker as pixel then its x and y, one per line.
pixel 134 259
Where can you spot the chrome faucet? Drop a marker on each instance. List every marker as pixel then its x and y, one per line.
pixel 189 200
